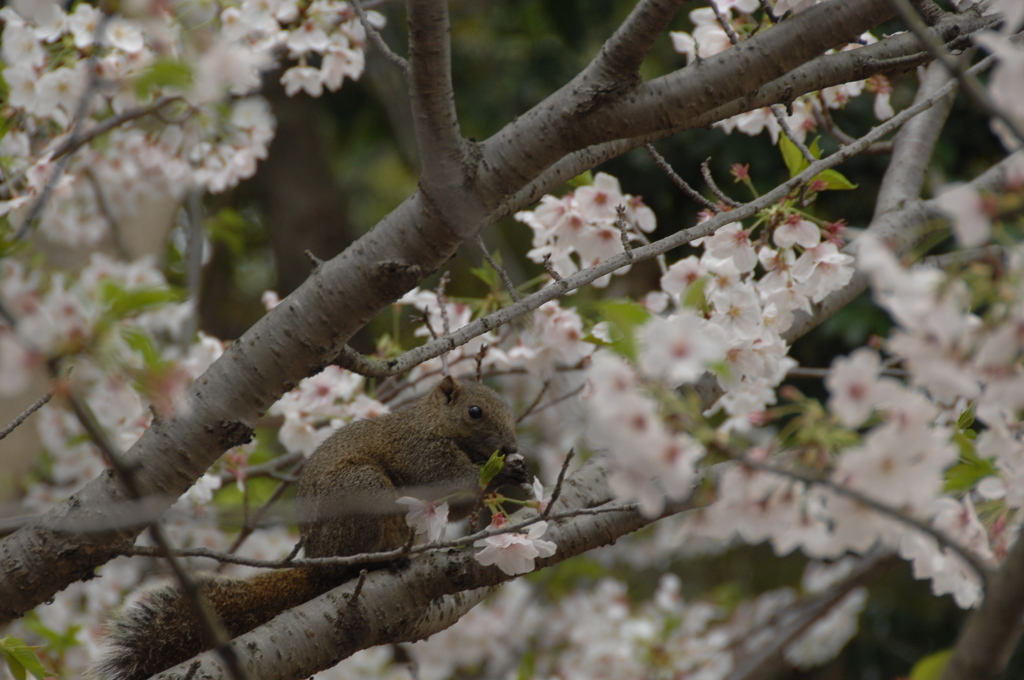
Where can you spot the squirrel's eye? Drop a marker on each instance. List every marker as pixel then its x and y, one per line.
pixel 476 413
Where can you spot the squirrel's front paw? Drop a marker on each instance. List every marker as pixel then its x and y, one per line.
pixel 515 471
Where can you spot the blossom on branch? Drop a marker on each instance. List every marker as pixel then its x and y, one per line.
pixel 514 552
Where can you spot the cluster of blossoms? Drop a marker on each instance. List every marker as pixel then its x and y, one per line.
pixel 585 226
pixel 69 73
pixel 710 37
pixel 599 632
pixel 746 291
pixel 958 359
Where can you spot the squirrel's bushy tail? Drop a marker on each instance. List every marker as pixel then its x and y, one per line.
pixel 157 628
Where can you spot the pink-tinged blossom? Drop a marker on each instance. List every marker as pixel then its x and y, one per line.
pixel 737 312
pixel 20 47
pixel 882 88
pixel 851 384
pixel 681 275
pixel 731 242
pixel 83 23
pixel 201 492
pixel 972 224
pixel 514 553
pixel 581 229
pixel 304 78
pixel 426 518
pixel 797 232
pixel 125 35
pixel 598 202
pixel 341 63
pixel 308 37
pixel 678 349
pixel 538 495
pixel 822 270
pixel 708 39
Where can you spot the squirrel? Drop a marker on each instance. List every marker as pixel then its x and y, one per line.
pixel 432 448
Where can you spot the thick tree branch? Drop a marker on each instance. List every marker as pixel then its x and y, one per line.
pixel 583 277
pixel 914 146
pixel 796 619
pixel 617 65
pixel 334 626
pixel 986 642
pixel 444 152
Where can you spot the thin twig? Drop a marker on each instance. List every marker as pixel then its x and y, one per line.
pixel 705 170
pixel 559 399
pixel 73 143
pixel 386 556
pixel 769 11
pixel 479 358
pixel 622 224
pixel 76 127
pixel 780 118
pixel 724 23
pixel 533 404
pixel 378 40
pixel 557 491
pixel 980 569
pixel 506 281
pixel 250 522
pixel 972 88
pixel 550 268
pixel 33 407
pixel 108 213
pixel 680 183
pixel 212 628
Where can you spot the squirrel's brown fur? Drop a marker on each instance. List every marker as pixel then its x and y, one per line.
pixel 345 496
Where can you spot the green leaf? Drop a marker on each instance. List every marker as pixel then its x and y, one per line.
pixel 815 148
pixel 834 180
pixel 931 666
pixel 586 179
pixel 121 302
pixel 966 419
pixel 791 155
pixel 56 642
pixel 163 73
pixel 623 317
pixel 228 226
pixel 695 297
pixel 487 274
pixel 971 469
pixel 21 658
pixel 491 469
pixel 140 341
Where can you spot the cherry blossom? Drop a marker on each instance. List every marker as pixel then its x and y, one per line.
pixel 514 552
pixel 426 518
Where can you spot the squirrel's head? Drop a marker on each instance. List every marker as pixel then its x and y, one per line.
pixel 484 422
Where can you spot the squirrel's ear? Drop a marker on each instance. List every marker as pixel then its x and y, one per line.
pixel 449 387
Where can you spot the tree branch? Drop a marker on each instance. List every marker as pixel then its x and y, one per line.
pixel 914 146
pixel 334 626
pixel 444 153
pixel 991 633
pixel 617 65
pixel 434 348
